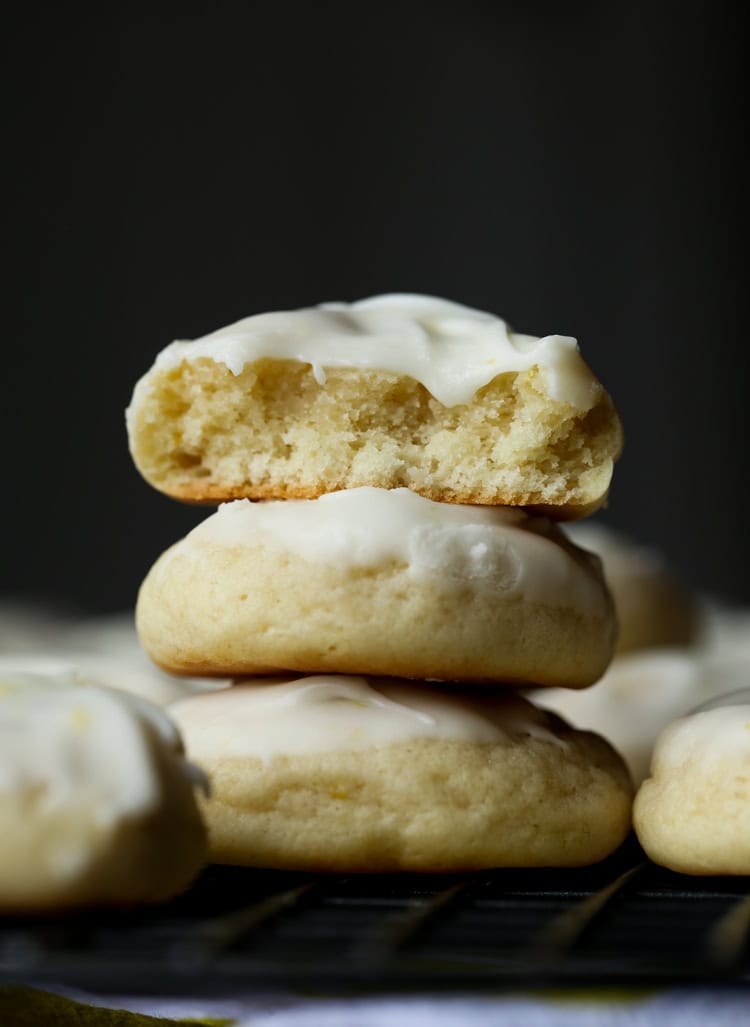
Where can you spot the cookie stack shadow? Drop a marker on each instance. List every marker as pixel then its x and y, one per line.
pixel 378 637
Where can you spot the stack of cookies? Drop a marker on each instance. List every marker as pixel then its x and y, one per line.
pixel 383 573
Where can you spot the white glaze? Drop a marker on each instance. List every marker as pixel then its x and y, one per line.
pixel 726 629
pixel 711 737
pixel 333 713
pixel 451 349
pixel 642 692
pixel 133 674
pixel 494 548
pixel 102 650
pixel 74 745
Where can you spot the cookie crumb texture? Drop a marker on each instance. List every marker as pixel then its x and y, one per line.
pixel 200 433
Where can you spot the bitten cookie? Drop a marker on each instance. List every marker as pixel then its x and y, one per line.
pixel 97 803
pixel 370 581
pixel 693 814
pixel 391 391
pixel 652 609
pixel 346 774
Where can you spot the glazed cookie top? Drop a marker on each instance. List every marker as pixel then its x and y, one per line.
pixel 498 548
pixel 336 712
pixel 641 693
pixel 65 743
pixel 705 738
pixel 451 349
pixel 135 675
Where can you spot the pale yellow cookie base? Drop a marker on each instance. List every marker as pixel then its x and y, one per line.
pixel 653 612
pixel 201 434
pixel 428 805
pixel 695 818
pixel 207 609
pixel 67 859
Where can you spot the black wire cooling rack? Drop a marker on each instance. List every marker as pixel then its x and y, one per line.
pixel 624 921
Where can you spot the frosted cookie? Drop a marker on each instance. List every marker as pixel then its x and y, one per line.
pixel 135 674
pixel 693 814
pixel 396 390
pixel 642 692
pixel 97 803
pixel 23 625
pixel 726 629
pixel 101 650
pixel 652 609
pixel 335 773
pixel 368 581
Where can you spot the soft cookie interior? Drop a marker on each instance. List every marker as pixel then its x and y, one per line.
pixel 392 391
pixel 204 434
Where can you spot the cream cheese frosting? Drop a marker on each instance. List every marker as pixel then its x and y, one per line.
pixel 327 713
pixel 451 349
pixel 498 548
pixel 66 744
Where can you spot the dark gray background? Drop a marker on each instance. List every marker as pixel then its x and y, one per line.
pixel 568 165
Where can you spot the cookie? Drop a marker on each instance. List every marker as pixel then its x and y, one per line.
pixel 101 650
pixel 136 675
pixel 348 774
pixel 726 629
pixel 97 803
pixel 642 692
pixel 371 581
pixel 391 391
pixel 693 814
pixel 653 610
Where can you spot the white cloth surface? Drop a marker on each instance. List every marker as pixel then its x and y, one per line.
pixel 709 1007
